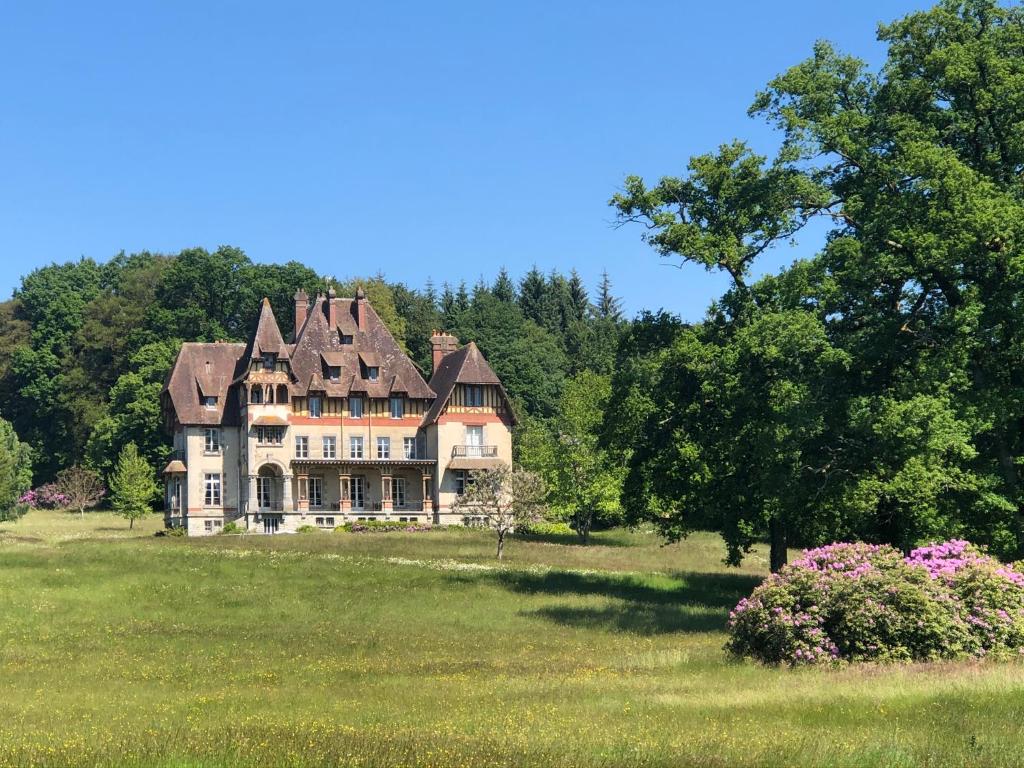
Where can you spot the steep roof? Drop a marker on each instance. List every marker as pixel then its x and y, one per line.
pixel 205 370
pixel 466 365
pixel 318 342
pixel 267 339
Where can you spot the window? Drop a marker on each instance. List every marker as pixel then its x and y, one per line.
pixel 330 522
pixel 319 521
pixel 460 481
pixel 334 372
pixel 474 395
pixel 383 447
pixel 269 435
pixel 316 492
pixel 355 407
pixel 208 525
pixel 346 338
pixel 301 447
pixel 475 441
pixel 355 447
pixel 398 491
pixel 315 406
pixel 330 447
pixel 269 361
pixel 372 372
pixel 210 403
pixel 211 443
pixel 211 490
pixel 218 523
pixel 409 447
pixel 397 407
pixel 256 394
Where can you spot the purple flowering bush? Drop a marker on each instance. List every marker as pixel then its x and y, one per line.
pixel 44 497
pixel 865 602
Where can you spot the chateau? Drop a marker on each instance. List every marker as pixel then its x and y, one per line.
pixel 336 425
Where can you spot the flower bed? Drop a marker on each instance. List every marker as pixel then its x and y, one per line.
pixel 863 602
pixel 383 526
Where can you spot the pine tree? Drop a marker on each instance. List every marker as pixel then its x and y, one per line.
pixel 448 310
pixel 532 295
pixel 132 485
pixel 504 289
pixel 608 306
pixel 579 301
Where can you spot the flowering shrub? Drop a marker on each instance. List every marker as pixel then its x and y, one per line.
pixel 44 497
pixel 864 602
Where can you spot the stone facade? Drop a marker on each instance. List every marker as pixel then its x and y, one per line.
pixel 335 426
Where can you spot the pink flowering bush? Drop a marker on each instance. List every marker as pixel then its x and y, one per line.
pixel 864 602
pixel 44 497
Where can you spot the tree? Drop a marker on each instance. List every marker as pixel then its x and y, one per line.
pixel 82 486
pixel 504 289
pixel 15 472
pixel 892 405
pixel 607 307
pixel 132 485
pixel 503 498
pixel 584 482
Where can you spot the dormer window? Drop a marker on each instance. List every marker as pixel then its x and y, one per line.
pixel 315 407
pixel 210 403
pixel 474 395
pixel 372 372
pixel 334 372
pixel 269 361
pixel 346 338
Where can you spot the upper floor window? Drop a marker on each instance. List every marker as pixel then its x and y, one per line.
pixel 330 447
pixel 269 361
pixel 383 447
pixel 355 407
pixel 256 394
pixel 302 446
pixel 270 435
pixel 210 402
pixel 355 447
pixel 315 407
pixel 334 372
pixel 346 338
pixel 409 447
pixel 474 395
pixel 211 440
pixel 397 407
pixel 372 372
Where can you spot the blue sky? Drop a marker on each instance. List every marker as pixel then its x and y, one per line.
pixel 434 140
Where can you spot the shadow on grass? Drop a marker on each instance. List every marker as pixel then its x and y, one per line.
pixel 571 540
pixel 686 602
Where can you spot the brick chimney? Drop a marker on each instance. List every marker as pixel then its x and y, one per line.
pixel 361 308
pixel 332 308
pixel 441 344
pixel 301 308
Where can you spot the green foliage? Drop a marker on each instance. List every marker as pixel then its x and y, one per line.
pixel 306 529
pixel 15 472
pixel 132 485
pixel 545 528
pixel 232 527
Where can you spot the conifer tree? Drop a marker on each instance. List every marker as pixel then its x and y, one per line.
pixel 608 306
pixel 132 485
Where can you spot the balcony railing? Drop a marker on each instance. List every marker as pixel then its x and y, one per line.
pixel 475 451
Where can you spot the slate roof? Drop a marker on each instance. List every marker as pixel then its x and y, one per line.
pixel 463 366
pixel 205 370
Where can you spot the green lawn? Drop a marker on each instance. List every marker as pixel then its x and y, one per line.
pixel 415 649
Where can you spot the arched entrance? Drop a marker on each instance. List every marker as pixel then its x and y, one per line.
pixel 269 489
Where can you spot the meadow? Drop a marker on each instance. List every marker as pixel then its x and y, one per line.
pixel 394 649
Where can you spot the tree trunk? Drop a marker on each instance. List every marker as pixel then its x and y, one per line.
pixel 777 538
pixel 81 512
pixel 131 522
pixel 501 544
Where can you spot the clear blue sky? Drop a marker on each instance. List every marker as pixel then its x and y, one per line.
pixel 424 139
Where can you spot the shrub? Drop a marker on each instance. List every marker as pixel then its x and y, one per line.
pixel 862 602
pixel 175 531
pixel 383 526
pixel 232 527
pixel 46 496
pixel 546 528
pixel 306 529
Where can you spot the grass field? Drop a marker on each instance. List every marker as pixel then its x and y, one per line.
pixel 415 649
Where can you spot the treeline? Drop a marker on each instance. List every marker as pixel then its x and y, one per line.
pixel 87 345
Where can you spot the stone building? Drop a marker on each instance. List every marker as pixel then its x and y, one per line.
pixel 333 426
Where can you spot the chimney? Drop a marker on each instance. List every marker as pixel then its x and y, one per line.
pixel 361 308
pixel 332 309
pixel 441 344
pixel 301 308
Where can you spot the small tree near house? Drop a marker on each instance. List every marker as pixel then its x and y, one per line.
pixel 502 498
pixel 83 487
pixel 132 485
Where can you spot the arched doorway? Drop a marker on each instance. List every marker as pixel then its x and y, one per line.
pixel 269 487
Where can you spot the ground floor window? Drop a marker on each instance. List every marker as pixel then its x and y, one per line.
pixel 211 493
pixel 398 491
pixel 316 492
pixel 208 525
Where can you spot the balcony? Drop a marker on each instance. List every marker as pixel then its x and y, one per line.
pixel 474 451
